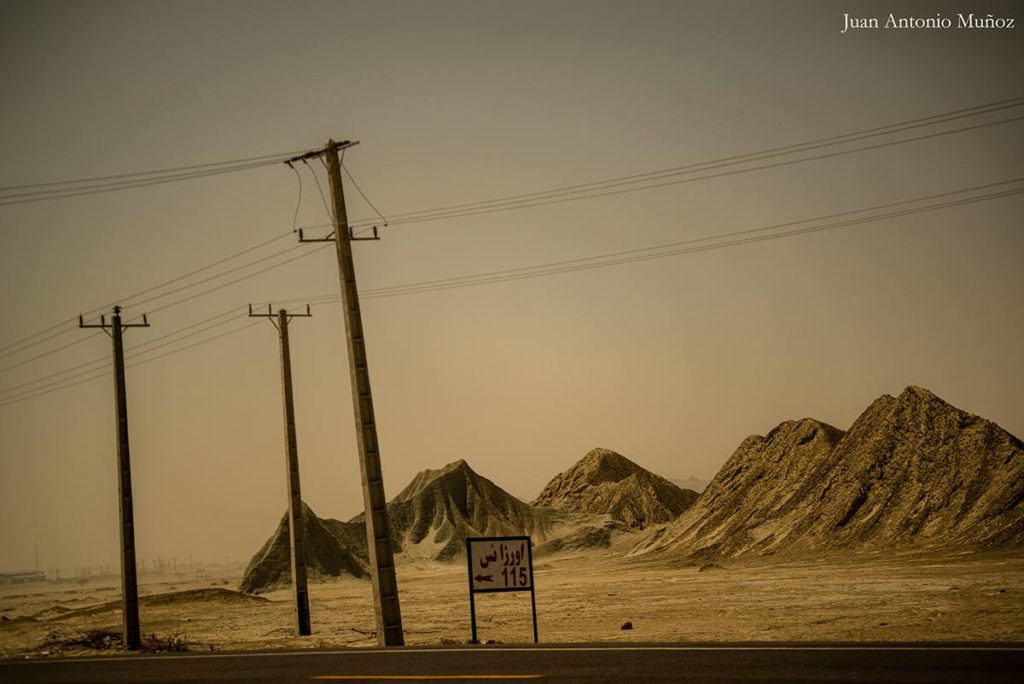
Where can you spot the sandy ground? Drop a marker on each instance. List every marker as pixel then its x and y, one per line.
pixel 580 597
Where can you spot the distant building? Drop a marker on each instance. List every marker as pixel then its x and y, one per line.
pixel 22 577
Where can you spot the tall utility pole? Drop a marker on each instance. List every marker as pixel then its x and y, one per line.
pixel 129 579
pixel 300 591
pixel 378 530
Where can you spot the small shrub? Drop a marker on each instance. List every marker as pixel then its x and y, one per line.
pixel 99 639
pixel 174 643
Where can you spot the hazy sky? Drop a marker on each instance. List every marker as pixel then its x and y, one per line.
pixel 671 362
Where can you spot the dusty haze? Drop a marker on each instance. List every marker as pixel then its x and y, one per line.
pixel 670 362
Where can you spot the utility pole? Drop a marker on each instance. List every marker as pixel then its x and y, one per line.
pixel 129 578
pixel 378 530
pixel 291 453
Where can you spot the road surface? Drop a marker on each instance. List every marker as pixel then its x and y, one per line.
pixel 780 662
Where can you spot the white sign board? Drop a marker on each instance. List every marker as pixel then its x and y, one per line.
pixel 500 564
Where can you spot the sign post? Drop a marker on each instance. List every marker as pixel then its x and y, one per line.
pixel 499 564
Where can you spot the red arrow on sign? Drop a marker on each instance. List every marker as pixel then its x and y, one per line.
pixel 484 578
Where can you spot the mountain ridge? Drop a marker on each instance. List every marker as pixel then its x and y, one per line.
pixel 606 482
pixel 429 519
pixel 438 509
pixel 332 549
pixel 912 471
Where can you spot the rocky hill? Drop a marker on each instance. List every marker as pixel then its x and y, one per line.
pixel 435 513
pixel 604 481
pixel 911 472
pixel 333 549
pixel 430 518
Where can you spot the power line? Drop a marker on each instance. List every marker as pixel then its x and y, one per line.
pixel 406 217
pixel 889 205
pixel 135 350
pixel 100 374
pixel 240 279
pixel 47 353
pixel 604 192
pixel 234 269
pixel 507 208
pixel 21 343
pixel 698 248
pixel 207 267
pixel 426 215
pixel 195 344
pixel 139 350
pixel 298 202
pixel 25 396
pixel 178 301
pixel 604 188
pixel 87 186
pixel 22 347
pixel 53 375
pixel 667 249
pixel 363 194
pixel 25 393
pixel 618 190
pixel 597 261
pixel 319 189
pixel 176 169
pixel 99 188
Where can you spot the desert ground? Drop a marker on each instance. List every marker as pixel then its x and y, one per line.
pixel 585 596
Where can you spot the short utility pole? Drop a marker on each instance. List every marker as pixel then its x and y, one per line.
pixel 378 529
pixel 129 578
pixel 291 452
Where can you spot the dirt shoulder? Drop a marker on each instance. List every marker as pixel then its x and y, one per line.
pixel 580 597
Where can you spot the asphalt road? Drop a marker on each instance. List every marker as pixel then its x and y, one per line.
pixel 803 662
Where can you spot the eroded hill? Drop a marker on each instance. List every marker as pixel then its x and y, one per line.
pixel 333 548
pixel 912 471
pixel 604 481
pixel 431 518
pixel 435 513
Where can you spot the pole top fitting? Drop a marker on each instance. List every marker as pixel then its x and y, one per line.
pixel 117 309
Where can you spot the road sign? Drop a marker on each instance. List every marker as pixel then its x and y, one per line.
pixel 499 564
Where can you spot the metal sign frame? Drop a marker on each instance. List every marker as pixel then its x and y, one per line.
pixel 473 590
